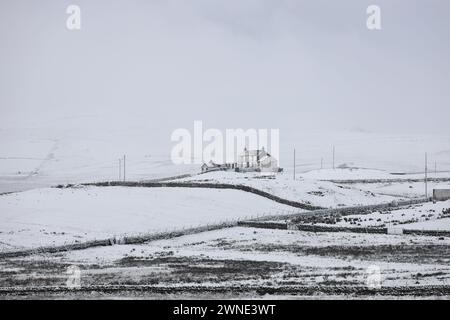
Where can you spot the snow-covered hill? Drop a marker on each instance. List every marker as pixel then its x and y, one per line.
pixel 53 216
pixel 89 150
pixel 316 192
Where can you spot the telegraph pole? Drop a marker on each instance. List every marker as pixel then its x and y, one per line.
pixel 294 163
pixel 120 169
pixel 124 160
pixel 435 169
pixel 333 157
pixel 426 176
pixel 321 163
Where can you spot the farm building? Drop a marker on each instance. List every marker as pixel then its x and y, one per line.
pixel 257 160
pixel 248 161
pixel 441 194
pixel 211 166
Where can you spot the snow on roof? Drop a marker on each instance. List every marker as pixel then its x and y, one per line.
pixel 442 187
pixel 210 164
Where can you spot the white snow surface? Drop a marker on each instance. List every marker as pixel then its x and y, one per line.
pixel 423 216
pixel 52 216
pixel 206 243
pixel 438 224
pixel 402 189
pixel 346 174
pixel 366 174
pixel 319 193
pixel 87 149
pixel 243 243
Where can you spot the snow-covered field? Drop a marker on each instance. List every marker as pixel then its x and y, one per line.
pixel 43 158
pixel 402 189
pixel 427 216
pixel 303 258
pixel 319 193
pixel 88 148
pixel 366 174
pixel 53 216
pixel 205 243
pixel 36 159
pixel 346 174
pixel 438 224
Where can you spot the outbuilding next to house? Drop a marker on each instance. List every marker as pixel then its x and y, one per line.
pixel 441 194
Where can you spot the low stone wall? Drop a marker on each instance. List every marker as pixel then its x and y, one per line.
pixel 123 240
pixel 321 228
pixel 177 233
pixel 258 192
pixel 436 233
pixel 315 228
pixel 263 225
pixel 54 249
pixel 345 211
pixel 309 228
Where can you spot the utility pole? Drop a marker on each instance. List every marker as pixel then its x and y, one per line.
pixel 120 169
pixel 333 157
pixel 294 163
pixel 321 163
pixel 426 176
pixel 124 166
pixel 435 169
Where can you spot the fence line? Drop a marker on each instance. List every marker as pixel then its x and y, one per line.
pixel 245 188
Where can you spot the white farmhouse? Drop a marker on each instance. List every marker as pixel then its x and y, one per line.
pixel 211 166
pixel 257 160
pixel 249 160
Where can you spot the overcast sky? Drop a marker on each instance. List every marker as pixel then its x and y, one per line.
pixel 248 63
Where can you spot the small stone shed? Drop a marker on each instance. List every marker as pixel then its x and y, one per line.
pixel 441 194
